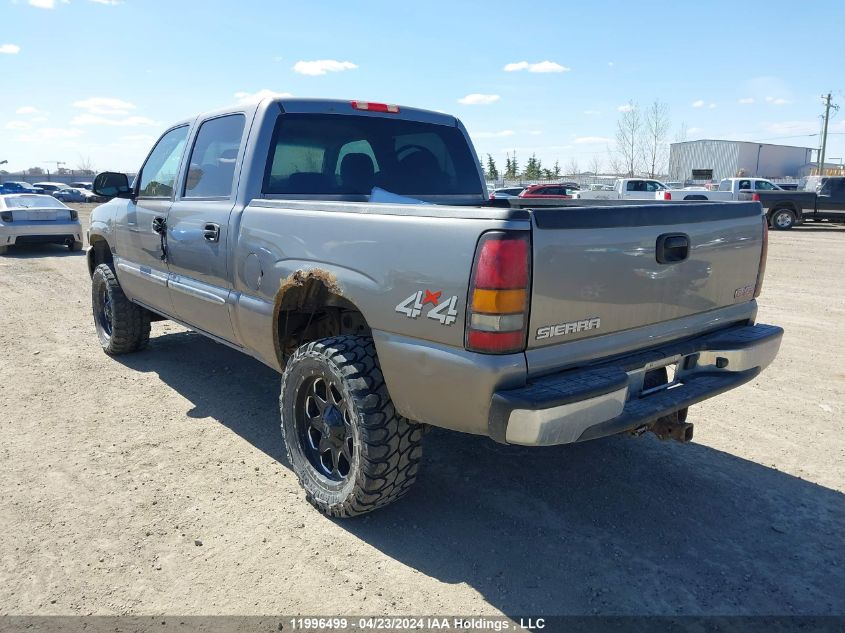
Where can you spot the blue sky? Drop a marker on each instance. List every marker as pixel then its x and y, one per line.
pixel 100 79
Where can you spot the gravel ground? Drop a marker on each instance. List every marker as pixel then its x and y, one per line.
pixel 156 484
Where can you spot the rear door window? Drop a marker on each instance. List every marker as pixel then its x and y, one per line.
pixel 764 185
pixel 211 170
pixel 329 154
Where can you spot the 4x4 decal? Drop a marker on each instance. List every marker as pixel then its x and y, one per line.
pixel 446 311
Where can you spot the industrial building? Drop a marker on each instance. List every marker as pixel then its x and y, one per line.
pixel 709 159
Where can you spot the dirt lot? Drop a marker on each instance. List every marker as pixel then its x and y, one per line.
pixel 113 471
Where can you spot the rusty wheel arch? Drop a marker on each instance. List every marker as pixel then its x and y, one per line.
pixel 309 306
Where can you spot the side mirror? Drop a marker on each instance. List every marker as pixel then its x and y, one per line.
pixel 110 184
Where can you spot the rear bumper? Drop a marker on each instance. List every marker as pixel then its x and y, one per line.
pixel 13 232
pixel 605 399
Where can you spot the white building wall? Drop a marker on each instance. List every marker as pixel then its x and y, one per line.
pixel 725 158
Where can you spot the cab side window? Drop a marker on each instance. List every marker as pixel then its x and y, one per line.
pixel 158 175
pixel 744 184
pixel 211 170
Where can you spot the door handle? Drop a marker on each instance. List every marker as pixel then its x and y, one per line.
pixel 211 232
pixel 672 248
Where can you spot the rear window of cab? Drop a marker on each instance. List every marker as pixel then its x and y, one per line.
pixel 330 154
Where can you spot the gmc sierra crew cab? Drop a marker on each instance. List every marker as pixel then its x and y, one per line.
pixel 350 246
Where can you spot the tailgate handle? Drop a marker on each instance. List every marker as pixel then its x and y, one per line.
pixel 672 248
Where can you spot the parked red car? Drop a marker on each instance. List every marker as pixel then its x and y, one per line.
pixel 547 191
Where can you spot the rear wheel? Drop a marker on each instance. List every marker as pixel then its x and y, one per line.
pixel 122 326
pixel 350 449
pixel 783 219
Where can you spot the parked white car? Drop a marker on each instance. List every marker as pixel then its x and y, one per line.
pixel 729 189
pixel 625 189
pixel 34 218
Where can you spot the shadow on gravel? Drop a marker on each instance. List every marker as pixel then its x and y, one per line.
pixel 614 526
pixel 38 251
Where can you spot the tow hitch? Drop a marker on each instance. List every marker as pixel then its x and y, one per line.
pixel 673 427
pixel 670 427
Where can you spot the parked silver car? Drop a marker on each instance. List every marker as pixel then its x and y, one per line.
pixel 33 218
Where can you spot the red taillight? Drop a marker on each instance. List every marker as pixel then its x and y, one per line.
pixel 764 253
pixel 502 263
pixel 755 197
pixel 375 107
pixel 667 195
pixel 497 309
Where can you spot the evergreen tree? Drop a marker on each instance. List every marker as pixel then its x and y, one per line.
pixel 533 168
pixel 556 171
pixel 492 172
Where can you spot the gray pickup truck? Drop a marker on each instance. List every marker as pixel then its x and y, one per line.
pixel 349 246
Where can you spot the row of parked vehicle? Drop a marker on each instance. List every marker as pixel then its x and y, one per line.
pixel 820 199
pixel 66 192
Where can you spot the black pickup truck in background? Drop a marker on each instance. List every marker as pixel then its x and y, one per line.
pixel 822 200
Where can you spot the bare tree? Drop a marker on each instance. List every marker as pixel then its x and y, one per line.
pixel 85 165
pixel 613 162
pixel 572 167
pixel 655 135
pixel 595 164
pixel 628 137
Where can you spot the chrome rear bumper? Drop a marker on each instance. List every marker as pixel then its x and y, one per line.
pixel 608 398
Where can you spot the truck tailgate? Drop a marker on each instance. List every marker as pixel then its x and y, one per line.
pixel 599 271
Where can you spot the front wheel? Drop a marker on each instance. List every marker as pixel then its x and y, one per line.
pixel 122 326
pixel 350 449
pixel 783 219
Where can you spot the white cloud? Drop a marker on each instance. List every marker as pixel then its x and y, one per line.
pixel 255 97
pixel 698 104
pixel 746 100
pixel 478 99
pixel 43 4
pixel 611 64
pixel 592 112
pixel 18 125
pixel 136 139
pixel 26 110
pixel 50 134
pixel 515 66
pixel 105 105
pixel 9 49
pixel 592 140
pixel 695 130
pixel 322 66
pixel 712 106
pixel 39 119
pixel 111 2
pixel 797 128
pixel 625 107
pixel 538 67
pixel 500 134
pixel 535 132
pixel 94 119
pixel 777 100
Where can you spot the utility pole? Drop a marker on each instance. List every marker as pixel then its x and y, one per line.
pixel 827 107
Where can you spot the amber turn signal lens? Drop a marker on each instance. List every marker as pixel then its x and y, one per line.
pixel 498 301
